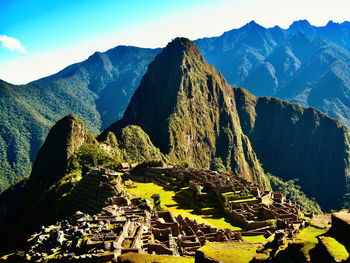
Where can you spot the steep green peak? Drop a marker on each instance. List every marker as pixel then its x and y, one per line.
pixel 64 138
pixel 178 72
pixel 179 53
pixel 183 45
pixel 189 112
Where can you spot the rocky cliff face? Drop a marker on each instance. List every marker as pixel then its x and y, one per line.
pixel 189 111
pixel 296 142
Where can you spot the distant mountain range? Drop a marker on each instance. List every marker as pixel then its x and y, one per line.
pixel 303 64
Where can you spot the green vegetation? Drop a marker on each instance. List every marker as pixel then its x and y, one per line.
pixel 146 190
pixel 186 107
pixel 230 252
pixel 287 140
pixel 308 237
pixel 91 155
pixel 217 165
pixel 156 201
pixel 293 192
pixel 336 249
pixel 254 239
pixel 136 145
pixel 272 223
pixel 88 89
pixel 144 258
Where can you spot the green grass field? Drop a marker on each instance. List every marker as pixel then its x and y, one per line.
pixel 146 190
pixel 254 239
pixel 230 252
pixel 336 249
pixel 308 236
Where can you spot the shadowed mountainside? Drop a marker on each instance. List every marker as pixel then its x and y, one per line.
pixel 293 142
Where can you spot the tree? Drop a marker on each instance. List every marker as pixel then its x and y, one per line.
pixel 156 201
pixel 217 165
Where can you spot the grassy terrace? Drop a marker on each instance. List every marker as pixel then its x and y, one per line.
pixel 146 190
pixel 230 252
pixel 336 249
pixel 254 239
pixel 308 236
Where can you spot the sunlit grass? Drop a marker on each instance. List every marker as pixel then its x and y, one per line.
pixel 146 190
pixel 254 239
pixel 230 252
pixel 336 249
pixel 308 236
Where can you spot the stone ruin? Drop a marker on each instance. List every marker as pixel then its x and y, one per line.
pixel 124 225
pixel 241 200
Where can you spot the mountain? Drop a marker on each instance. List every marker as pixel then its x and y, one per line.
pixel 194 116
pixel 237 52
pixel 188 110
pixel 310 71
pixel 293 64
pixel 304 64
pixel 96 90
pixel 57 180
pixel 40 192
pixel 293 142
pixel 183 113
pixel 336 32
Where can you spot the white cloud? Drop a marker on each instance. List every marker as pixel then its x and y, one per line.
pixel 12 43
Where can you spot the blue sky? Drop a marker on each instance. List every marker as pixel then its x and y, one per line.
pixel 40 37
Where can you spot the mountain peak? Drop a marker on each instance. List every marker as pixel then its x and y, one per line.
pixel 331 23
pixel 183 42
pixel 64 138
pixel 158 91
pixel 252 25
pixel 300 25
pixel 182 45
pixel 188 110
